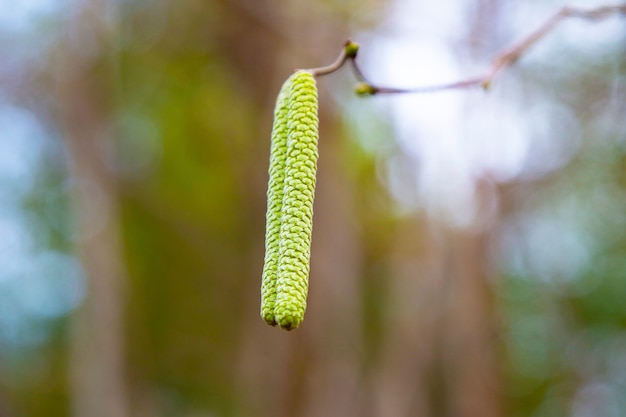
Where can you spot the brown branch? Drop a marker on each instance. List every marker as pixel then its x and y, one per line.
pixel 509 56
pixel 503 60
pixel 349 51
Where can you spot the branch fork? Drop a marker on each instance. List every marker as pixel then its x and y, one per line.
pixel 504 59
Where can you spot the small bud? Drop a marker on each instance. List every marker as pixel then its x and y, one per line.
pixel 351 49
pixel 365 89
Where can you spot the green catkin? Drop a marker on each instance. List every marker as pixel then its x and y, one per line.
pixel 293 166
pixel 296 222
pixel 278 158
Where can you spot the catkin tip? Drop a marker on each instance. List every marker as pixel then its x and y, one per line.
pixel 270 320
pixel 290 324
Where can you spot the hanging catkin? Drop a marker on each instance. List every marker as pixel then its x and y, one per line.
pixel 293 163
pixel 278 157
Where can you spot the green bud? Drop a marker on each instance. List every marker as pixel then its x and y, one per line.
pixel 351 49
pixel 365 89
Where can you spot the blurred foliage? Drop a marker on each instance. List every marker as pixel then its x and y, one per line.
pixel 188 91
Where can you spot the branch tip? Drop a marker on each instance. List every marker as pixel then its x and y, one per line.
pixel 365 89
pixel 351 49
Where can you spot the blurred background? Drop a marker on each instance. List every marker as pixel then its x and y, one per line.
pixel 469 248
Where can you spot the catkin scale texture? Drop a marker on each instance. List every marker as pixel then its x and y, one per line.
pixel 293 166
pixel 278 158
pixel 294 250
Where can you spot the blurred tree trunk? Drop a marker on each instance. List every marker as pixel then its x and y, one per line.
pixel 468 332
pixel 97 351
pixel 439 355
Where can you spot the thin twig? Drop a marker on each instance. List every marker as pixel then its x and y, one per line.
pixel 341 59
pixel 503 60
pixel 349 51
pixel 509 56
